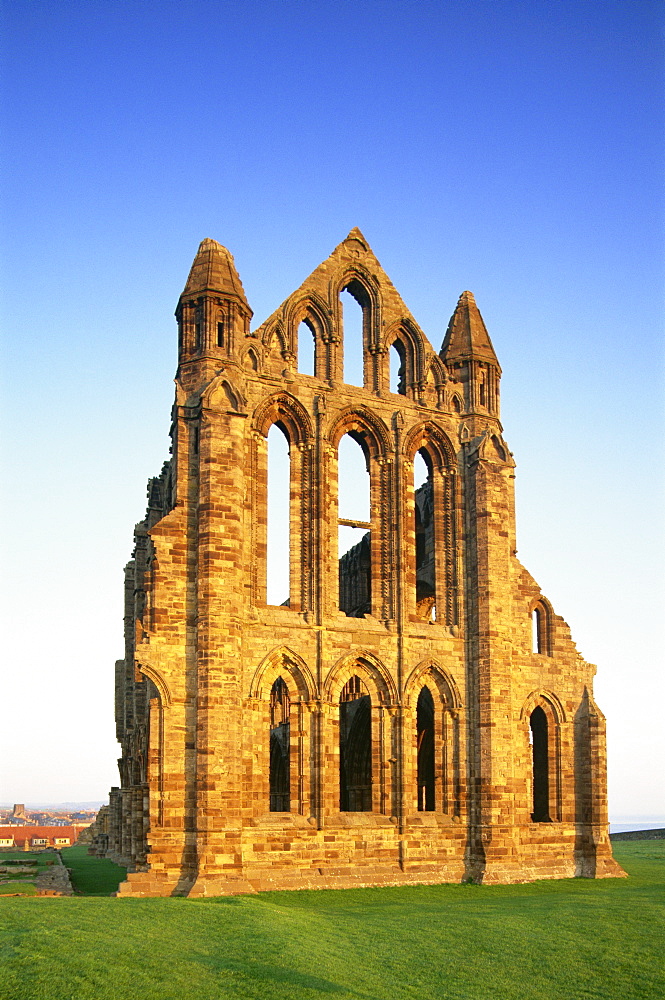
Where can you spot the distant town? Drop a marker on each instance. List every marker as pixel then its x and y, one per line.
pixel 18 815
pixel 39 829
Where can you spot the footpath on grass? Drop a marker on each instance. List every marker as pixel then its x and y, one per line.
pixel 92 876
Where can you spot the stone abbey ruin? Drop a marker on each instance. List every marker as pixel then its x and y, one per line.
pixel 413 710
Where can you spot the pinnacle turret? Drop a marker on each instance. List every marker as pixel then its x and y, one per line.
pixel 467 337
pixel 213 315
pixel 214 270
pixel 469 356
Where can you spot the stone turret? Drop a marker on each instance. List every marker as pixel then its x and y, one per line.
pixel 213 315
pixel 468 353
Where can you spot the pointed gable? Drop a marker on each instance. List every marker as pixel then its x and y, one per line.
pixel 352 262
pixel 467 337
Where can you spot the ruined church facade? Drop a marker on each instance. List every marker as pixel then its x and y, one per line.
pixel 414 710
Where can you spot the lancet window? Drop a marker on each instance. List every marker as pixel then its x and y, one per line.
pixel 306 349
pixel 355 309
pixel 278 568
pixel 425 741
pixel 280 747
pixel 540 755
pixel 354 528
pixel 425 536
pixel 540 629
pixel 398 368
pixel 355 747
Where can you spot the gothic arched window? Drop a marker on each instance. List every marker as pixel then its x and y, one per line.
pixel 425 733
pixel 280 747
pixel 540 629
pixel 278 518
pixel 425 536
pixel 541 766
pixel 355 748
pixel 306 349
pixel 354 532
pixel 398 368
pixel 355 320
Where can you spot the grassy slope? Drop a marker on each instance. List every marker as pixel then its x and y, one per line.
pixel 551 940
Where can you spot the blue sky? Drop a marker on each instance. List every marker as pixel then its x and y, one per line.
pixel 515 149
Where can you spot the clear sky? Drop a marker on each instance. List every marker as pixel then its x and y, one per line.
pixel 512 148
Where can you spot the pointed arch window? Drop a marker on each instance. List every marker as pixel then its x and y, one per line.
pixel 425 536
pixel 398 368
pixel 355 747
pixel 426 737
pixel 541 629
pixel 355 323
pixel 306 349
pixel 278 563
pixel 482 387
pixel 433 727
pixel 431 529
pixel 539 738
pixel 354 528
pixel 280 747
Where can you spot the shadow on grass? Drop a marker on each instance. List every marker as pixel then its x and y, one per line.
pixel 278 975
pixel 91 876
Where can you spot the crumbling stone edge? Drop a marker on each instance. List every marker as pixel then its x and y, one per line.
pixel 56 880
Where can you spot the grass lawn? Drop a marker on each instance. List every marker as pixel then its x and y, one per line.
pixel 14 887
pixel 551 940
pixel 40 859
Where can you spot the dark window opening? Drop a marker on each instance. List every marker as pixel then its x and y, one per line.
pixel 355 549
pixel 220 334
pixel 398 368
pixel 425 730
pixel 355 748
pixel 280 747
pixel 540 752
pixel 457 406
pixel 197 336
pixel 424 532
pixel 482 388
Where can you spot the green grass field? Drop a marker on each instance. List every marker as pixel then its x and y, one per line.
pixel 573 939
